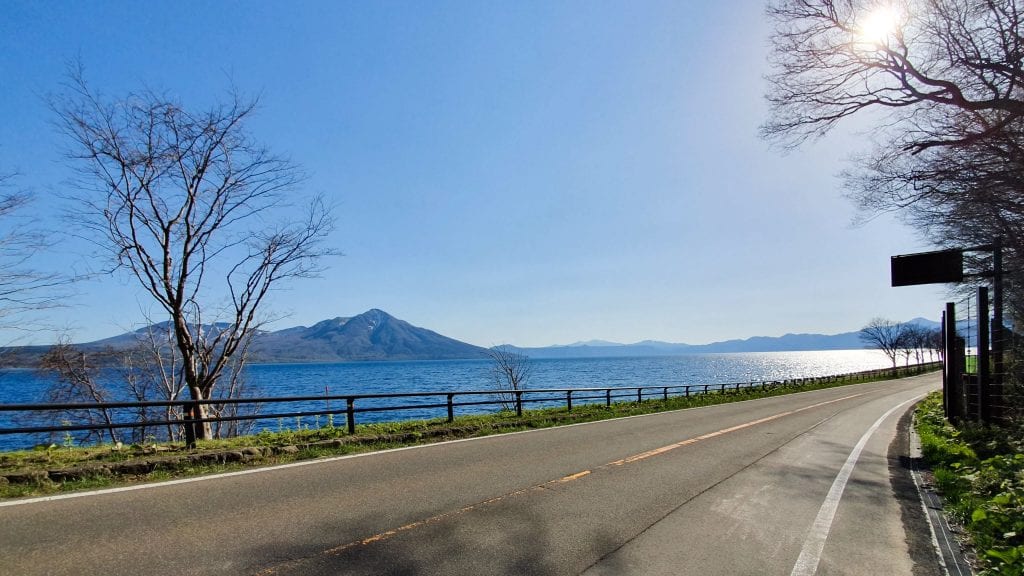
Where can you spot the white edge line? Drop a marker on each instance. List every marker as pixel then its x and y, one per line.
pixel 262 469
pixel 310 462
pixel 915 474
pixel 810 554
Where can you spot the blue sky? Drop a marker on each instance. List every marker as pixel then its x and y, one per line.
pixel 525 172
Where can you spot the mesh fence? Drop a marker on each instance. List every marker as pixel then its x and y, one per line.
pixel 981 386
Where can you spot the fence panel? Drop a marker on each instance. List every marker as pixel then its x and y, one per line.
pixel 448 402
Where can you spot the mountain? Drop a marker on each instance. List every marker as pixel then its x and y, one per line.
pixel 786 343
pixel 594 343
pixel 376 335
pixel 372 335
pixel 144 334
pixel 925 323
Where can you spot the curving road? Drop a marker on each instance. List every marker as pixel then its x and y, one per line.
pixel 790 485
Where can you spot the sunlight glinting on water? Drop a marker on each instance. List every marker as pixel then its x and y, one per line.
pixel 277 380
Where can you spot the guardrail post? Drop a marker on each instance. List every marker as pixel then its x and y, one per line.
pixel 350 414
pixel 519 403
pixel 327 403
pixel 639 395
pixel 608 398
pixel 686 391
pixel 568 400
pixel 665 395
pixel 451 408
pixel 188 424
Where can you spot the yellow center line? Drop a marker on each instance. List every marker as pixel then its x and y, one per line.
pixel 722 432
pixel 563 480
pixel 572 477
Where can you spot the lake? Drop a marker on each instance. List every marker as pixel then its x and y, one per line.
pixel 19 386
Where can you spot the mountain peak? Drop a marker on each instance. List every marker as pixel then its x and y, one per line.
pixel 594 343
pixel 372 335
pixel 374 315
pixel 320 328
pixel 924 323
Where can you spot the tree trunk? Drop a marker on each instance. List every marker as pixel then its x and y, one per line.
pixel 195 430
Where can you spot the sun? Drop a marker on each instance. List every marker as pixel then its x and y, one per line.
pixel 879 25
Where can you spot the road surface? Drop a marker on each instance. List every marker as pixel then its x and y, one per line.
pixel 796 484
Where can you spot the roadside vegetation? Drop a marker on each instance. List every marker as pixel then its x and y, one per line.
pixel 979 471
pixel 67 467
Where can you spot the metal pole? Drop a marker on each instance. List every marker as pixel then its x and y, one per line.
pixel 984 369
pixel 998 341
pixel 950 387
pixel 190 412
pixel 945 366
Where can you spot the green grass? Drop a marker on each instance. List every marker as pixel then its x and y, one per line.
pixel 980 473
pixel 970 364
pixel 94 464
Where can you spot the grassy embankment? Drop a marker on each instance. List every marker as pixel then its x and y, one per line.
pixel 68 467
pixel 979 471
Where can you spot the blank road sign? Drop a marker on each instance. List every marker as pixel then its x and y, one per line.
pixel 928 268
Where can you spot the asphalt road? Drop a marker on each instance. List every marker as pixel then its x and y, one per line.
pixel 745 488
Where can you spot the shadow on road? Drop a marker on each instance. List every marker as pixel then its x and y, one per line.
pixel 502 538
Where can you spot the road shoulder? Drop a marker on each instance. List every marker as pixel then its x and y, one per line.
pixel 933 545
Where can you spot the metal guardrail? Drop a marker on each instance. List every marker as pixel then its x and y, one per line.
pixel 515 398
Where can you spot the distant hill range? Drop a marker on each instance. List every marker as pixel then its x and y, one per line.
pixel 787 343
pixel 376 335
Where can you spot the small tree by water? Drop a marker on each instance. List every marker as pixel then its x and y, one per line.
pixel 885 335
pixel 510 371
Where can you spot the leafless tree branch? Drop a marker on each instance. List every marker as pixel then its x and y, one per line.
pixel 23 287
pixel 181 199
pixel 511 370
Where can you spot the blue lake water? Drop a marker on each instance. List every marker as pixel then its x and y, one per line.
pixel 25 386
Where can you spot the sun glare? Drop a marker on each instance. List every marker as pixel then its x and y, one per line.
pixel 879 25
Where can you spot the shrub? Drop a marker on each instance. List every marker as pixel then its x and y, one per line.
pixel 980 473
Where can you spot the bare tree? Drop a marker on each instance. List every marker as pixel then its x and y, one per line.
pixel 936 345
pixel 78 379
pixel 915 342
pixel 949 70
pixel 946 78
pixel 196 211
pixel 956 196
pixel 153 371
pixel 23 288
pixel 885 335
pixel 149 372
pixel 511 370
